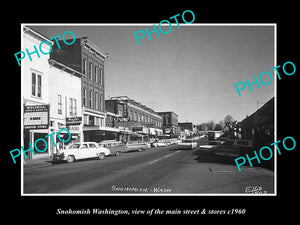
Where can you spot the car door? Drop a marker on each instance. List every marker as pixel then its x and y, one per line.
pixel 93 149
pixel 84 153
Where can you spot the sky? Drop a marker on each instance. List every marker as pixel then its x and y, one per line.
pixel 191 70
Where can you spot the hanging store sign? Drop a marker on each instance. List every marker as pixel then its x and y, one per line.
pixel 73 120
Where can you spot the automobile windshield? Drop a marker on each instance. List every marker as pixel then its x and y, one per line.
pixel 75 146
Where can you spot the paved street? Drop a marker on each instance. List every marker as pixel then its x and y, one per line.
pixel 160 170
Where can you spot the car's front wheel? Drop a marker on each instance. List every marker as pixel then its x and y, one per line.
pixel 70 158
pixel 101 156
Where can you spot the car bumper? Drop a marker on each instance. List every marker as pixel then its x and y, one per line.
pixel 57 158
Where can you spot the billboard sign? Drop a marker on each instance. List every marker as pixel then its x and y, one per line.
pixel 36 117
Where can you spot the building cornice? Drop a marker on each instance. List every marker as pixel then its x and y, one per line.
pixel 30 31
pixel 91 46
pixel 52 62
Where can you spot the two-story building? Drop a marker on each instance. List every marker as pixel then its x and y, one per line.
pixel 65 101
pixel 85 57
pixel 49 104
pixel 170 123
pixel 35 90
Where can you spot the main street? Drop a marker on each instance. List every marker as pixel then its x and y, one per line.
pixel 163 170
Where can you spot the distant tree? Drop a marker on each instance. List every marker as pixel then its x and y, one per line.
pixel 218 127
pixel 228 120
pixel 210 125
pixel 222 124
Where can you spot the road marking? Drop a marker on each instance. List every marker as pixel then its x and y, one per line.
pixel 166 156
pixel 222 171
pixel 153 161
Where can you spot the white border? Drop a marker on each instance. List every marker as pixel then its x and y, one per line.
pixel 151 24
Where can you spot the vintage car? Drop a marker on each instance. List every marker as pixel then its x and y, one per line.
pixel 116 147
pixel 157 143
pixel 211 145
pixel 234 147
pixel 187 144
pixel 81 150
pixel 137 146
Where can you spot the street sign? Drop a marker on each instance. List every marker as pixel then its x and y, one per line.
pixel 36 116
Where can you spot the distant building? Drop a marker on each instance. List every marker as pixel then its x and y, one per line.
pixel 170 123
pixel 186 126
pixel 134 118
pixel 186 129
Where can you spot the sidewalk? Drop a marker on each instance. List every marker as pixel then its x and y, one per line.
pixel 36 163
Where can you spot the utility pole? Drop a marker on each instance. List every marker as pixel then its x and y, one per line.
pixel 258 102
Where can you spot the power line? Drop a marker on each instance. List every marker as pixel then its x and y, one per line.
pixel 177 67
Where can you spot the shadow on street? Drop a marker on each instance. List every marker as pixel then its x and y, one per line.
pixel 209 157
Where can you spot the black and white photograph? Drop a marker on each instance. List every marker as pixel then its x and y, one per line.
pixel 141 112
pixel 150 109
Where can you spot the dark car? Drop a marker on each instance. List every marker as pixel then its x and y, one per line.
pixel 233 147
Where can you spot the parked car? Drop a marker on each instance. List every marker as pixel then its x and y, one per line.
pixel 158 144
pixel 187 144
pixel 133 146
pixel 234 147
pixel 116 147
pixel 81 150
pixel 211 145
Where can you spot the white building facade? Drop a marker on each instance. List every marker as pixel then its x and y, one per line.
pixel 65 102
pixel 34 90
pixel 51 98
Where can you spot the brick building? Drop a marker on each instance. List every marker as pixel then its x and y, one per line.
pixel 170 123
pixel 134 117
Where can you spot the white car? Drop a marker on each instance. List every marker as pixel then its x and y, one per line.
pixel 187 144
pixel 81 150
pixel 158 144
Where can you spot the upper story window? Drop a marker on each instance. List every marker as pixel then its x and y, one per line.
pixel 101 102
pixel 96 74
pixel 84 66
pixel 59 104
pixel 36 85
pixel 101 76
pixel 73 107
pixel 84 97
pixel 90 70
pixel 90 99
pixel 96 101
